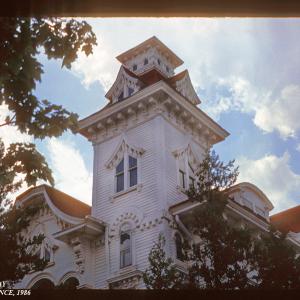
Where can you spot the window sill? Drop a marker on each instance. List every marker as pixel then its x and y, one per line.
pixel 137 188
pixel 127 269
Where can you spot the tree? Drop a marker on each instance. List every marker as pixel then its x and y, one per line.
pixel 162 273
pixel 21 42
pixel 278 263
pixel 227 255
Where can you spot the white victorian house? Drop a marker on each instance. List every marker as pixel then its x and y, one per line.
pixel 147 142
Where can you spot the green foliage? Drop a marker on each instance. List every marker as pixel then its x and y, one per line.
pixel 278 263
pixel 15 247
pixel 228 256
pixel 162 273
pixel 20 163
pixel 21 41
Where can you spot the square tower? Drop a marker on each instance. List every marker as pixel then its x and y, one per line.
pixel 148 141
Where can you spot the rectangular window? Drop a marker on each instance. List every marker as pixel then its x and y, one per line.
pixel 182 178
pixel 120 182
pixel 130 91
pixel 260 211
pixel 132 169
pixel 125 250
pixel 120 176
pixel 192 182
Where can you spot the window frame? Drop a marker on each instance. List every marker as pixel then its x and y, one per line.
pixel 130 169
pixel 122 173
pixel 126 173
pixel 122 253
pixel 185 173
pixel 178 238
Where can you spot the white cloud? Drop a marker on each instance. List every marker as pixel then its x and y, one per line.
pixel 10 134
pixel 273 175
pixel 245 58
pixel 281 114
pixel 69 171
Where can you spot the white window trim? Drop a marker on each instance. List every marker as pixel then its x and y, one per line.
pixel 127 187
pixel 187 173
pixel 133 252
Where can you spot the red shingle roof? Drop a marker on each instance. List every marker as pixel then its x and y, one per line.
pixel 64 202
pixel 287 220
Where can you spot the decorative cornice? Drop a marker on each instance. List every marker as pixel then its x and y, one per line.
pixel 158 98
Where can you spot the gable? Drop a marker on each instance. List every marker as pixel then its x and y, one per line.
pixel 126 84
pixel 122 147
pixel 182 83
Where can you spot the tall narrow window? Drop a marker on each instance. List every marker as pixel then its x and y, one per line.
pixel 132 169
pixel 179 247
pixel 145 61
pixel 121 97
pixel 191 177
pixel 47 255
pixel 120 176
pixel 125 249
pixel 130 91
pixel 134 67
pixel 182 173
pixel 182 178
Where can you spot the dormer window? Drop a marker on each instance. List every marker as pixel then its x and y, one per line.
pixel 134 68
pixel 130 91
pixel 145 61
pixel 45 252
pixel 121 97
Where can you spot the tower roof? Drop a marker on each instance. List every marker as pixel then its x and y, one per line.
pixel 152 42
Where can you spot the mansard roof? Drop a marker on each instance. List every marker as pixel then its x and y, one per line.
pixel 62 201
pixel 151 42
pixel 287 220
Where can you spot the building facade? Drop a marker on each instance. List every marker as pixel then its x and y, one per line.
pixel 148 142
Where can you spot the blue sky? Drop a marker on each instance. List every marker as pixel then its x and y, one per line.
pixel 245 71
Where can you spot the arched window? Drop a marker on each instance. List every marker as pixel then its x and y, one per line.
pixel 125 249
pixel 70 284
pixel 145 61
pixel 134 67
pixel 43 284
pixel 179 246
